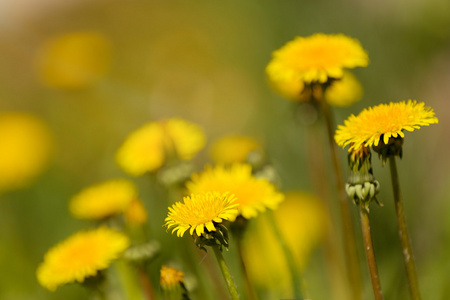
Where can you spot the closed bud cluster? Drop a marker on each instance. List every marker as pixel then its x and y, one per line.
pixel 213 238
pixel 361 187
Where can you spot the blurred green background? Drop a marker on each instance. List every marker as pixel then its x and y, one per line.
pixel 204 61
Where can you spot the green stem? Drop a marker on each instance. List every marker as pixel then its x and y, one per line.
pixel 250 291
pixel 226 273
pixel 365 225
pixel 403 233
pixel 290 260
pixel 352 261
pixel 128 281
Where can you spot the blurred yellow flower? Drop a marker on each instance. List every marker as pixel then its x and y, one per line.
pixel 200 211
pixel 303 221
pixel 170 277
pixel 147 148
pixel 232 149
pixel 136 214
pixel 253 195
pixel 316 58
pixel 185 138
pixel 73 60
pixel 80 256
pixel 289 87
pixel 383 121
pixel 342 92
pixel 103 200
pixel 345 91
pixel 25 148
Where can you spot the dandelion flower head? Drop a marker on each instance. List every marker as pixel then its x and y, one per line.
pixel 103 200
pixel 233 149
pixel 342 92
pixel 254 195
pixel 186 138
pixel 25 149
pixel 382 122
pixel 200 211
pixel 345 91
pixel 316 58
pixel 74 60
pixel 147 148
pixel 170 277
pixel 80 256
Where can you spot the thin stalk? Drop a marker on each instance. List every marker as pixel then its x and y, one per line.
pixel 128 281
pixel 290 260
pixel 365 225
pixel 332 251
pixel 249 287
pixel 353 269
pixel 226 273
pixel 146 284
pixel 403 233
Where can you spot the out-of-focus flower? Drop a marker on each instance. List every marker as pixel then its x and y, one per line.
pixel 170 277
pixel 254 195
pixel 80 256
pixel 303 221
pixel 345 91
pixel 383 121
pixel 25 147
pixel 316 58
pixel 185 138
pixel 233 149
pixel 172 284
pixel 136 214
pixel 149 147
pixel 74 60
pixel 103 200
pixel 200 211
pixel 341 92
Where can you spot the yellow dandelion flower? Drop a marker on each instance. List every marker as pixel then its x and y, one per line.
pixel 302 220
pixel 253 195
pixel 147 148
pixel 170 277
pixel 345 91
pixel 233 149
pixel 382 122
pixel 103 199
pixel 316 58
pixel 136 214
pixel 25 148
pixel 290 88
pixel 74 60
pixel 200 211
pixel 186 138
pixel 80 256
pixel 143 150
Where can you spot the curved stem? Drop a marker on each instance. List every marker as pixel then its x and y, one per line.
pixel 226 273
pixel 290 260
pixel 353 269
pixel 376 285
pixel 403 233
